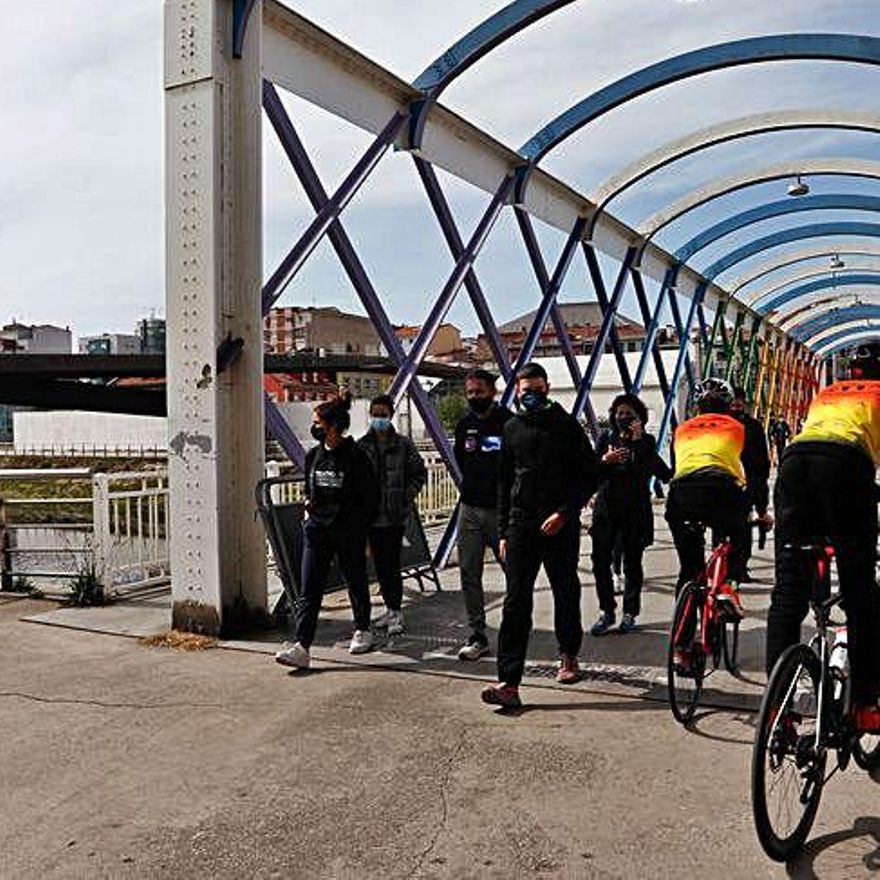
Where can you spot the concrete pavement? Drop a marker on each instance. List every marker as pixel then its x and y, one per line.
pixel 120 760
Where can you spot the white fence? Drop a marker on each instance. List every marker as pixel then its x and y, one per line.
pixel 125 544
pixel 121 528
pixel 436 502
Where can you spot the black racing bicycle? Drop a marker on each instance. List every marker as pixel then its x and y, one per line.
pixel 804 717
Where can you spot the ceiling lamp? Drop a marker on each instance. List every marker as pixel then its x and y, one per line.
pixel 836 262
pixel 798 188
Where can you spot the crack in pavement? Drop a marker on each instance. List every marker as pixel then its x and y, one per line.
pixel 444 804
pixel 105 705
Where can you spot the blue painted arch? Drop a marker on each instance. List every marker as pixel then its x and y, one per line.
pixel 835 338
pixel 788 236
pixel 754 50
pixel 861 279
pixel 804 331
pixel 481 40
pixel 830 202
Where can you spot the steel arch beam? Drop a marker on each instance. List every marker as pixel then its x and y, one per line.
pixel 831 166
pixel 754 50
pixel 806 274
pixel 832 334
pixel 481 40
pixel 467 51
pixel 849 343
pixel 846 248
pixel 788 236
pixel 846 338
pixel 828 283
pixel 829 202
pixel 819 307
pixel 746 126
pixel 807 329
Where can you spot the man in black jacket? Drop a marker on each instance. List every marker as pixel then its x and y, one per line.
pixel 478 438
pixel 756 462
pixel 548 472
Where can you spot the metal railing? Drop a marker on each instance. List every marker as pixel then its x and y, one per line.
pixel 118 532
pixel 84 450
pixel 436 502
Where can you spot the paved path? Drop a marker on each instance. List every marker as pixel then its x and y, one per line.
pixel 118 760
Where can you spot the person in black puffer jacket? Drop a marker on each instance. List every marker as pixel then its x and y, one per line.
pixel 342 496
pixel 401 473
pixel 622 509
pixel 548 473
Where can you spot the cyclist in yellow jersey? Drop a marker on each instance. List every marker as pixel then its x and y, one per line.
pixel 714 463
pixel 825 491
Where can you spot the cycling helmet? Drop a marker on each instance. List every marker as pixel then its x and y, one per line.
pixel 713 395
pixel 864 362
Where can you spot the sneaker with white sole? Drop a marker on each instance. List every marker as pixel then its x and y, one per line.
pixel 395 623
pixel 476 647
pixel 361 642
pixel 295 656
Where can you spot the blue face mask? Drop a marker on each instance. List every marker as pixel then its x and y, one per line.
pixel 532 400
pixel 378 424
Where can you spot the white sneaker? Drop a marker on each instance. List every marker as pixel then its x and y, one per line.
pixel 361 641
pixel 474 649
pixel 296 656
pixel 390 620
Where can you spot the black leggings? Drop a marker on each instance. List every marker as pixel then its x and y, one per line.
pixel 825 491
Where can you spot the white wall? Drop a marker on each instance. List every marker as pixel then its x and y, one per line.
pixel 63 428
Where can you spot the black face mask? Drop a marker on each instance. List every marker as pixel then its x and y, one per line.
pixel 319 433
pixel 480 405
pixel 623 422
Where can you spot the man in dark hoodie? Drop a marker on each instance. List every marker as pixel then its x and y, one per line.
pixel 548 473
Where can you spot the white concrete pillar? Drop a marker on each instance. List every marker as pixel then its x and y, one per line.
pixel 213 276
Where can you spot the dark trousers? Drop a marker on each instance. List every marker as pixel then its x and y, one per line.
pixel 320 544
pixel 716 501
pixel 825 491
pixel 527 551
pixel 609 526
pixel 385 544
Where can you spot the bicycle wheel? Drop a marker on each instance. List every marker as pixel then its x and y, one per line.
pixel 788 771
pixel 686 662
pixel 731 646
pixel 866 752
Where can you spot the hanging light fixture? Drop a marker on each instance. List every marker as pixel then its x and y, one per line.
pixel 798 188
pixel 836 262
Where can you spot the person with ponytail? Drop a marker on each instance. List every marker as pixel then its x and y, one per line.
pixel 342 497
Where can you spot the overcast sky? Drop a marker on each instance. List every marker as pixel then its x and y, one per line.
pixel 81 161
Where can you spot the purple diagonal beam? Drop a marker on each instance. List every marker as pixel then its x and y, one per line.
pixel 441 307
pixel 599 345
pixel 540 268
pixel 651 323
pixel 602 297
pixel 280 429
pixel 330 211
pixel 456 247
pixel 341 243
pixel 548 298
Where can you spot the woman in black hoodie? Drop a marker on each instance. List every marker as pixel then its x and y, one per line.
pixel 628 459
pixel 342 495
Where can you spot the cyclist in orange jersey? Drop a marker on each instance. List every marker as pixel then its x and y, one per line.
pixel 826 491
pixel 714 465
